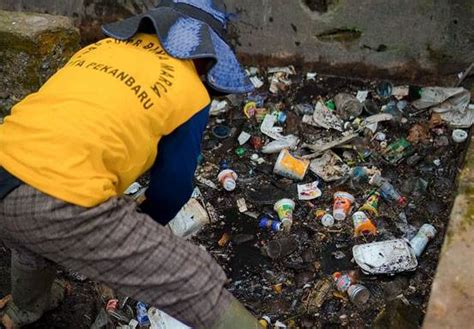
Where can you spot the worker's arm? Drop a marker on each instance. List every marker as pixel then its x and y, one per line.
pixel 171 183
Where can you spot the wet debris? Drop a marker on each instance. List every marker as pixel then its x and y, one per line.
pixel 329 246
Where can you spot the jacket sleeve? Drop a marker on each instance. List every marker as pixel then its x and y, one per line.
pixel 172 174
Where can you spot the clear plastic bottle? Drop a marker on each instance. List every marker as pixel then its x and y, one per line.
pixel 387 190
pixel 421 239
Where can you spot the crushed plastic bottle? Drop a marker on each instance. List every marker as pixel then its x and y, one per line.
pixel 387 190
pixel 288 142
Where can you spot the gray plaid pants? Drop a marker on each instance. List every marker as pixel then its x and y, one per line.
pixel 114 244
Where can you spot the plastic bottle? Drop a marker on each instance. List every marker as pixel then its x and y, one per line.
pixel 268 223
pixel 371 206
pixel 387 190
pixel 142 316
pixel 359 174
pixel 421 239
pixel 343 281
pixel 346 282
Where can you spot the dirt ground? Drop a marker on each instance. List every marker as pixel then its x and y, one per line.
pixel 397 301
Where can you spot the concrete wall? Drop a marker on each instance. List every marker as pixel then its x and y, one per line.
pixel 413 39
pixel 32 48
pixel 452 297
pixel 407 38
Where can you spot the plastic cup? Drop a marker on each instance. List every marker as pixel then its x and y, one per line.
pixel 342 205
pixel 358 294
pixel 284 209
pixel 281 247
pixel 290 167
pixel 362 224
pixel 371 107
pixel 228 178
pixel 347 106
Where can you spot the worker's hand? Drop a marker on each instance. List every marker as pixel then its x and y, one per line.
pixel 5 320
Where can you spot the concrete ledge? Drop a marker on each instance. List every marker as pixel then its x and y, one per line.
pixel 418 41
pixel 452 297
pixel 32 48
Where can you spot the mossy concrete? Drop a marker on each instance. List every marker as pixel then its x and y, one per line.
pixel 452 297
pixel 32 48
pixel 417 41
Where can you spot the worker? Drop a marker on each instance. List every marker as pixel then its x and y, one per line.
pixel 134 102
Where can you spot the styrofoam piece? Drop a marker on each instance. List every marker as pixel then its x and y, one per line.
pixel 385 257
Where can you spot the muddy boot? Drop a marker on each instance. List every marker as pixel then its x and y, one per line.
pixel 236 317
pixel 33 293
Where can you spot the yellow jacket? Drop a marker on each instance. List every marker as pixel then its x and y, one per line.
pixel 94 126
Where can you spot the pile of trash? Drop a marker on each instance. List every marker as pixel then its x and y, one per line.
pixel 325 199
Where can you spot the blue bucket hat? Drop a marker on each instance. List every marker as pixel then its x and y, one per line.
pixel 191 29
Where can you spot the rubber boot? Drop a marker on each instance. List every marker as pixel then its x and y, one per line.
pixel 236 316
pixel 31 293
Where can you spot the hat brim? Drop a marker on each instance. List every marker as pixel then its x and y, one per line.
pixel 184 37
